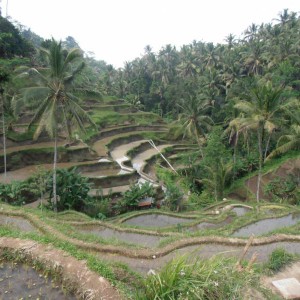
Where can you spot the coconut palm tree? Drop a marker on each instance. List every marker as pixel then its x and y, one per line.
pixel 4 78
pixel 259 113
pixel 57 105
pixel 287 142
pixel 193 121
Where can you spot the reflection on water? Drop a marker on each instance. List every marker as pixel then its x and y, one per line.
pixel 23 282
pixel 267 225
pixel 240 211
pixel 133 238
pixel 20 223
pixel 156 220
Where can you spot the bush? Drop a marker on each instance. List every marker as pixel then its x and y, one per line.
pixel 13 192
pixel 181 278
pixel 21 192
pixel 72 189
pixel 98 208
pixel 133 196
pixel 286 190
pixel 278 259
pixel 173 197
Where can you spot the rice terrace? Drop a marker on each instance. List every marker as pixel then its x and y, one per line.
pixel 174 177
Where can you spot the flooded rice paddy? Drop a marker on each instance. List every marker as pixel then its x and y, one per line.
pixel 209 225
pixel 156 220
pixel 139 161
pixel 240 210
pixel 203 252
pixel 267 225
pixel 19 281
pixel 16 222
pixel 128 237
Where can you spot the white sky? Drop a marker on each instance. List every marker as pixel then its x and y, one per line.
pixel 118 30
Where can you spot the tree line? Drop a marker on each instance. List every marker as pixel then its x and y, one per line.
pixel 239 101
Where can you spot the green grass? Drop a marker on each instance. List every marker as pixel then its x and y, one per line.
pixel 20 137
pixel 278 259
pixel 184 278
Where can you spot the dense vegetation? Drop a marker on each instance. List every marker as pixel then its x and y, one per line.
pixel 238 101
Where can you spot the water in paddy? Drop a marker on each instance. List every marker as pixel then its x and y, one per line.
pixel 128 237
pixel 267 225
pixel 156 220
pixel 139 160
pixel 207 225
pixel 16 222
pixel 18 281
pixel 203 252
pixel 240 211
pixel 120 152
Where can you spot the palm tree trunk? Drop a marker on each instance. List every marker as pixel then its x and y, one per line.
pixel 260 162
pixel 54 172
pixel 4 138
pixel 199 144
pixel 267 146
pixel 234 155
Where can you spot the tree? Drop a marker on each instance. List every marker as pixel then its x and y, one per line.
pixel 73 190
pixel 192 120
pixel 287 142
pixel 216 165
pixel 57 104
pixel 11 42
pixel 259 113
pixel 4 78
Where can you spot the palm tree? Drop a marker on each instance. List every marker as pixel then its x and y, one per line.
pixel 4 78
pixel 193 120
pixel 287 142
pixel 58 106
pixel 259 113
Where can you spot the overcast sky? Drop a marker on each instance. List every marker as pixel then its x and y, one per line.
pixel 118 30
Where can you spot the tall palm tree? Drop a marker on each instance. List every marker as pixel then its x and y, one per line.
pixel 259 113
pixel 193 120
pixel 287 142
pixel 4 78
pixel 58 105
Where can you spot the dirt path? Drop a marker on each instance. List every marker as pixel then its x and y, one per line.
pixel 75 272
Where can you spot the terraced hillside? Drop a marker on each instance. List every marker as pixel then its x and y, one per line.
pixel 124 248
pixel 114 156
pixel 108 259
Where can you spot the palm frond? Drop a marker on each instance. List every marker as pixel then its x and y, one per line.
pixel 40 111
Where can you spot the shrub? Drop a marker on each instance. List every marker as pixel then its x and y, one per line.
pixel 278 259
pixel 133 196
pixel 173 197
pixel 98 208
pixel 21 192
pixel 286 190
pixel 181 278
pixel 72 189
pixel 13 192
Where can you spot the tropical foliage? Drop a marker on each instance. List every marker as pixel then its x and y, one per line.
pixel 248 87
pixel 72 189
pixel 183 278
